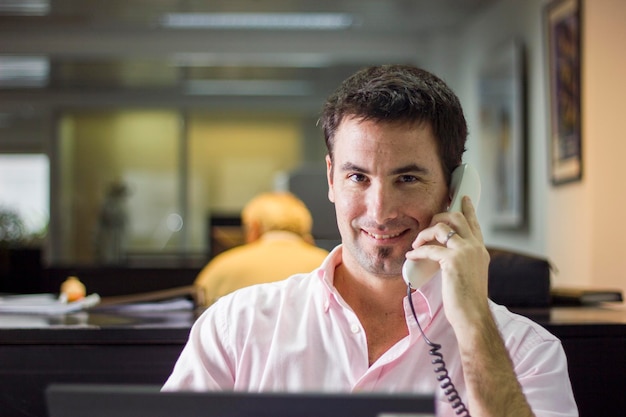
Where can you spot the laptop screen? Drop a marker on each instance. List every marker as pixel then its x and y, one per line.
pixel 71 400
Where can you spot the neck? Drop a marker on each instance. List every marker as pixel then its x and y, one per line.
pixel 377 302
pixel 370 292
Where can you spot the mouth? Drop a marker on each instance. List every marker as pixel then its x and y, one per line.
pixel 382 237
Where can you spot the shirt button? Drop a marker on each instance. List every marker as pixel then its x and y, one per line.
pixel 354 328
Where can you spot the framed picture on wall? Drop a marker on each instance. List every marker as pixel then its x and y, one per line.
pixel 563 28
pixel 503 132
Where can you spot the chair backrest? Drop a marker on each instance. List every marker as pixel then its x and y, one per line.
pixel 518 280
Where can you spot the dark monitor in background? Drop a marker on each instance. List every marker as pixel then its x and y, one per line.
pixel 309 183
pixel 69 400
pixel 225 232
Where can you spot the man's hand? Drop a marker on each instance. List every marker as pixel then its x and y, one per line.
pixel 455 241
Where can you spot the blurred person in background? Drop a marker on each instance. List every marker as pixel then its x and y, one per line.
pixel 277 228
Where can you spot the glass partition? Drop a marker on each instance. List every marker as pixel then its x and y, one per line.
pixel 139 187
pixel 118 184
pixel 231 159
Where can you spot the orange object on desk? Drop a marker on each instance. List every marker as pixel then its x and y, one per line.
pixel 73 289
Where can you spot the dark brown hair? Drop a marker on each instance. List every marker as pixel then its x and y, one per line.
pixel 402 94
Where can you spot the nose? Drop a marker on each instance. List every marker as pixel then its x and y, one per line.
pixel 382 203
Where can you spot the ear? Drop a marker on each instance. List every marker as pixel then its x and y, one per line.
pixel 329 177
pixel 253 231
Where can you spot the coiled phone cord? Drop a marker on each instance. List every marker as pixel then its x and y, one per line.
pixel 440 367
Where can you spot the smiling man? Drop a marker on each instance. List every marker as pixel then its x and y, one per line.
pixel 386 183
pixel 394 135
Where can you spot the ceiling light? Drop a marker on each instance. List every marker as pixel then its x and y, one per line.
pixel 23 71
pixel 25 7
pixel 283 60
pixel 248 88
pixel 270 21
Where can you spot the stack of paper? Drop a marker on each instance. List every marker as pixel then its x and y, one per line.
pixel 44 304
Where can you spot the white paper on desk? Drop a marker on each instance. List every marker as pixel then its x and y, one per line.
pixel 44 304
pixel 173 304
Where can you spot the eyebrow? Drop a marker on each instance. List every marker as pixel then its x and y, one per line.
pixel 406 169
pixel 411 168
pixel 349 166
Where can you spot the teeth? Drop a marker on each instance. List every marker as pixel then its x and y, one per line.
pixel 375 236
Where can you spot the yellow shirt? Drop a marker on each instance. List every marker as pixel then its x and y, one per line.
pixel 275 256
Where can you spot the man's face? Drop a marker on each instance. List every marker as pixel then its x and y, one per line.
pixel 386 182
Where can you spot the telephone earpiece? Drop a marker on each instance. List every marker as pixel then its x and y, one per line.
pixel 464 181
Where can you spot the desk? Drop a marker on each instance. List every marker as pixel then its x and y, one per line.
pixel 100 347
pixel 84 347
pixel 594 340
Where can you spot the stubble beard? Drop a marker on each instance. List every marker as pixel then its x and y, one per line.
pixel 381 263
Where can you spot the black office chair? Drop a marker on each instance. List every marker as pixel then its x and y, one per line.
pixel 518 280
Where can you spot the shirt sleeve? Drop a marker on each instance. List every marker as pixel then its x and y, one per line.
pixel 543 374
pixel 205 362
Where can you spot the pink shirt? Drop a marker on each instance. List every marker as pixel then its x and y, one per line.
pixel 300 335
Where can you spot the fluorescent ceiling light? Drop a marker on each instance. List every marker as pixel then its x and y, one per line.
pixel 271 21
pixel 296 60
pixel 248 88
pixel 23 71
pixel 25 7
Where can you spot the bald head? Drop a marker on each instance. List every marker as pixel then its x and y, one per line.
pixel 276 211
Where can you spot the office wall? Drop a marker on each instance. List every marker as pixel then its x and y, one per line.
pixel 474 47
pixel 604 150
pixel 578 226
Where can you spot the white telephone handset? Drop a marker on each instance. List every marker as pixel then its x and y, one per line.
pixel 464 182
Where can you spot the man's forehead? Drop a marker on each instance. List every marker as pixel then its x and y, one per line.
pixel 384 148
pixel 385 138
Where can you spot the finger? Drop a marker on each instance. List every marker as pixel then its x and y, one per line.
pixel 454 220
pixel 435 253
pixel 437 234
pixel 449 237
pixel 472 219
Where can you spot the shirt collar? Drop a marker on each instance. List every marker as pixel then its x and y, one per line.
pixel 280 235
pixel 428 299
pixel 326 274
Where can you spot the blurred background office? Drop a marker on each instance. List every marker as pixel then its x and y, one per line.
pixel 196 106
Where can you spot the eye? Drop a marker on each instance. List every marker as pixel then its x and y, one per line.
pixel 407 178
pixel 357 177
